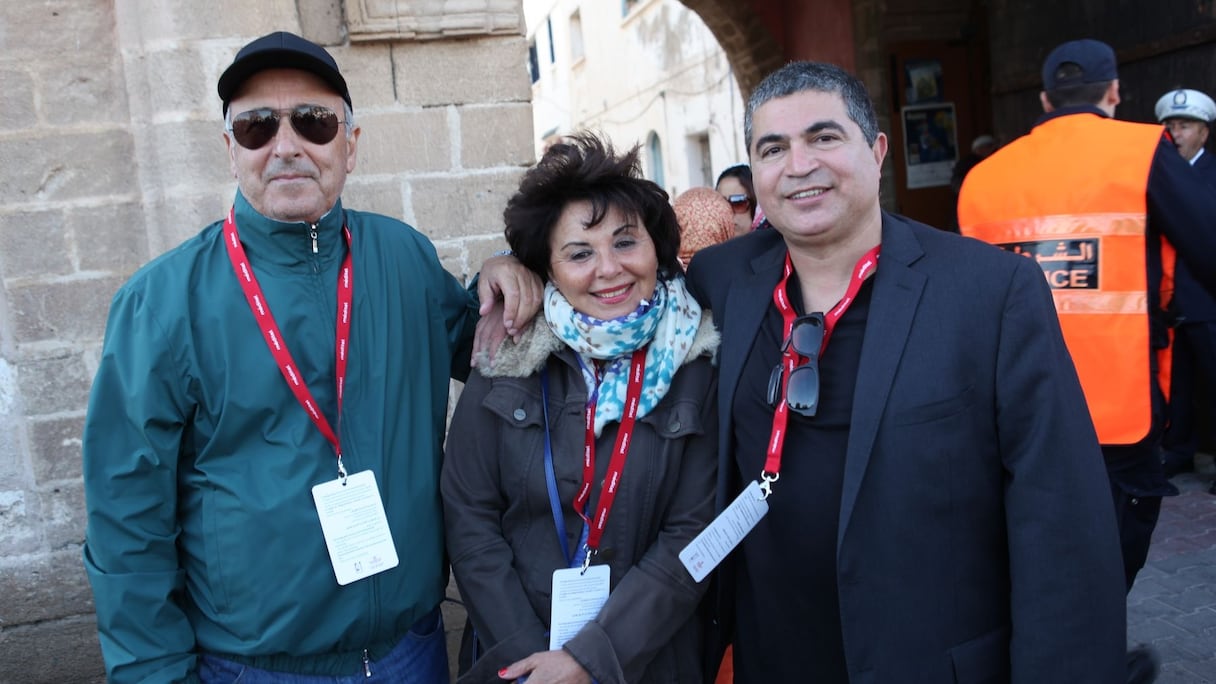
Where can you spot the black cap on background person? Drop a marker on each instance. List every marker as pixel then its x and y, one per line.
pixel 1094 61
pixel 1081 73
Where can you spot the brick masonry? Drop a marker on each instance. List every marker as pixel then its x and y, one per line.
pixel 112 150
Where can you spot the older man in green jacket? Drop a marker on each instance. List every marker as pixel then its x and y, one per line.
pixel 263 442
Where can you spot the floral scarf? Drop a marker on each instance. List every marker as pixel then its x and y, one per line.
pixel 668 322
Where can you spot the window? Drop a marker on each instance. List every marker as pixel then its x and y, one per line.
pixel 699 165
pixel 654 153
pixel 533 61
pixel 549 28
pixel 576 36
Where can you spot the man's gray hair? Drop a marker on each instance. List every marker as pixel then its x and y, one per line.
pixel 347 112
pixel 797 77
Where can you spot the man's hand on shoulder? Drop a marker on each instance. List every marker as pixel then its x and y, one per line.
pixel 510 296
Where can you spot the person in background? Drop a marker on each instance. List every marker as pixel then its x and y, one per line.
pixel 541 427
pixel 1188 115
pixel 735 184
pixel 263 390
pixel 1101 207
pixel 941 432
pixel 705 219
pixel 981 147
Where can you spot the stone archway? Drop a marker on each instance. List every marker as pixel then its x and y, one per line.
pixel 749 45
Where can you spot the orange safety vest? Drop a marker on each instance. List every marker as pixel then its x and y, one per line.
pixel 1072 196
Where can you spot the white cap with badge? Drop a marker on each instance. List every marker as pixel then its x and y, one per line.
pixel 1186 103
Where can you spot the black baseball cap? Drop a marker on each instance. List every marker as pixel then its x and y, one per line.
pixel 1095 59
pixel 280 50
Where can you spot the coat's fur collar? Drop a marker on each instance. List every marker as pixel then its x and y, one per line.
pixel 538 342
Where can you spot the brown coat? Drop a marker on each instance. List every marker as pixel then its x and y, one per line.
pixel 501 536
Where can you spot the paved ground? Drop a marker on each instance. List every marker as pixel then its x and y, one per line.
pixel 1173 604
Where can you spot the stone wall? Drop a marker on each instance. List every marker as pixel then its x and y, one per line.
pixel 111 151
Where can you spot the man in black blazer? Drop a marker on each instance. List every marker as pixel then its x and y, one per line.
pixel 938 507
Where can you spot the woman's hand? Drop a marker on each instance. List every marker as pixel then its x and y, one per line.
pixel 547 667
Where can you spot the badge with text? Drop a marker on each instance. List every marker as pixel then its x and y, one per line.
pixel 1067 264
pixel 578 596
pixel 355 527
pixel 715 542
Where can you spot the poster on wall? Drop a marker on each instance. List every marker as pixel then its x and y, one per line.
pixel 924 79
pixel 930 144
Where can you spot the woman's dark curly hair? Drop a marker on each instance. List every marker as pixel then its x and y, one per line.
pixel 583 167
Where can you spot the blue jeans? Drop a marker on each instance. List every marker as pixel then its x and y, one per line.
pixel 420 657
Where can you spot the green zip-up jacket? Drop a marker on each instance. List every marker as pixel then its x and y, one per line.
pixel 199 462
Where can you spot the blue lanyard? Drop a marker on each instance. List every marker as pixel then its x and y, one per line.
pixel 555 503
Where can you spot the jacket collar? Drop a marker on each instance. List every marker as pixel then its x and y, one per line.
pixel 289 244
pixel 1069 111
pixel 898 285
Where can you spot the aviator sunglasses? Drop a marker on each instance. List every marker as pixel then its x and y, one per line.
pixel 802 389
pixel 256 127
pixel 740 203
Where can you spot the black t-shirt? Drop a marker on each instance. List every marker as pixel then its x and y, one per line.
pixel 788 627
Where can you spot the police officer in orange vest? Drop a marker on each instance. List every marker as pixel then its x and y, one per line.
pixel 1101 206
pixel 1187 114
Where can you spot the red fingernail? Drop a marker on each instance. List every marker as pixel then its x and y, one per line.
pixel 502 674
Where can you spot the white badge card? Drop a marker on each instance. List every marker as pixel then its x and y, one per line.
pixel 715 542
pixel 577 599
pixel 355 527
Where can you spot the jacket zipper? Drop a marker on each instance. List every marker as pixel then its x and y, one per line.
pixel 312 235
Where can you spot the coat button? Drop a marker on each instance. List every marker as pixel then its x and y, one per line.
pixel 674 426
pixel 520 414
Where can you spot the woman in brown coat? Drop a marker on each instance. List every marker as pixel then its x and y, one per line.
pixel 538 431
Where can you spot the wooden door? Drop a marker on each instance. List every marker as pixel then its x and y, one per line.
pixel 940 104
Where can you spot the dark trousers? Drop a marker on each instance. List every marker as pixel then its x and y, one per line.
pixel 1193 389
pixel 1137 483
pixel 1137 517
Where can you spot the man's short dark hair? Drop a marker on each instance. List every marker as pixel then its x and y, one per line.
pixel 583 167
pixel 797 77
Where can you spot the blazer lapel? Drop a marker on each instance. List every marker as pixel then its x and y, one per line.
pixel 746 302
pixel 897 292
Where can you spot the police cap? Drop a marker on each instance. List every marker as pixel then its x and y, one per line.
pixel 1186 104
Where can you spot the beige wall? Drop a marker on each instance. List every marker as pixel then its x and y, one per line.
pixel 111 153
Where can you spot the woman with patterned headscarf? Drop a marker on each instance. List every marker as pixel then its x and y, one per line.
pixel 705 219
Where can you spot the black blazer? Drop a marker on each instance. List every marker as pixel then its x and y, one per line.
pixel 1191 299
pixel 977 541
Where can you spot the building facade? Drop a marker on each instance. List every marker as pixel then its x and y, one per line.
pixel 640 72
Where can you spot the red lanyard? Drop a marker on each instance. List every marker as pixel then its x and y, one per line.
pixel 274 337
pixel 616 466
pixel 791 359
